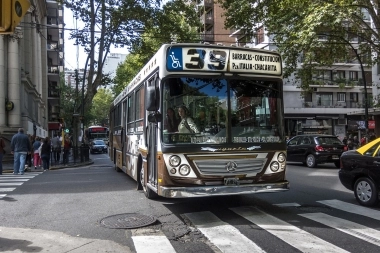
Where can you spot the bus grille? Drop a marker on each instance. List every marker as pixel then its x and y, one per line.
pixel 218 167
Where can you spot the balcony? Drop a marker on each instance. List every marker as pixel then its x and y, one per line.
pixel 332 104
pixel 207 19
pixel 52 45
pixel 208 36
pixel 53 69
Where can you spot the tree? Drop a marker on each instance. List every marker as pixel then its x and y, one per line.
pixel 297 27
pixel 176 22
pixel 100 106
pixel 106 23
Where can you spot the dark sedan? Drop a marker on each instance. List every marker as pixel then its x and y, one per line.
pixel 314 149
pixel 360 172
pixel 98 146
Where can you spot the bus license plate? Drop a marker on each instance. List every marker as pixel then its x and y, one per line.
pixel 335 157
pixel 231 181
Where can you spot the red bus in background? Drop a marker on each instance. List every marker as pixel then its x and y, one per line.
pixel 97 132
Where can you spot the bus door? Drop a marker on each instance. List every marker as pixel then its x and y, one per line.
pixel 152 154
pixel 124 133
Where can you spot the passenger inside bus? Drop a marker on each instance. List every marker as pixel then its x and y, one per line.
pixel 201 121
pixel 171 121
pixel 187 124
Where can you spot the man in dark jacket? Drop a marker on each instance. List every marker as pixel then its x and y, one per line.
pixel 20 146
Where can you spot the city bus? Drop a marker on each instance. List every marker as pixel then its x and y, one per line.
pixel 228 104
pixel 97 132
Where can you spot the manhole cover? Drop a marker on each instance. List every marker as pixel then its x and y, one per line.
pixel 307 208
pixel 127 220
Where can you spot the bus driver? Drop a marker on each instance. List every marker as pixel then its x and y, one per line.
pixel 187 124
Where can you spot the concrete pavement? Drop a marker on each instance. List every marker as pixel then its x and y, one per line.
pixel 36 240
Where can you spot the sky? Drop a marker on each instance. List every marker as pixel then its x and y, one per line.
pixel 75 57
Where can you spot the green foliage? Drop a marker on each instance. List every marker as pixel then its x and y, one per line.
pixel 296 27
pixel 176 22
pixel 100 106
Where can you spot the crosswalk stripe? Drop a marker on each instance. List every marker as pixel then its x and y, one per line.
pixel 7 189
pixel 2 195
pixel 351 208
pixel 148 244
pixel 14 183
pixel 287 204
pixel 367 234
pixel 290 234
pixel 224 236
pixel 13 180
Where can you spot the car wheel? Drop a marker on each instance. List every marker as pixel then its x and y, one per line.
pixel 310 161
pixel 366 192
pixel 149 193
pixel 337 164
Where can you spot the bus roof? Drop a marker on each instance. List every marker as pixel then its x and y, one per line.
pixel 182 57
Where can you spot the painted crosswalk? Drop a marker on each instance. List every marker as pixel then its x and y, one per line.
pixel 9 182
pixel 226 237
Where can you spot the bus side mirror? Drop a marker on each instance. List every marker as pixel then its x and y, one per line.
pixel 155 117
pixel 152 99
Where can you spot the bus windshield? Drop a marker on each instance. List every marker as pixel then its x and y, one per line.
pixel 213 110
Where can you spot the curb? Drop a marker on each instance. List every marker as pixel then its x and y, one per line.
pixel 56 167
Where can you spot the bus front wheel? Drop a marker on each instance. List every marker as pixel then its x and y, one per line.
pixel 149 193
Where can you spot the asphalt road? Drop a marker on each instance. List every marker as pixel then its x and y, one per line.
pixel 61 211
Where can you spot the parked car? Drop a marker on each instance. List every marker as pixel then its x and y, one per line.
pixel 360 172
pixel 313 149
pixel 98 146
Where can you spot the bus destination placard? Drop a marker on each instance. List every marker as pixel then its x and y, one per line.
pixel 223 60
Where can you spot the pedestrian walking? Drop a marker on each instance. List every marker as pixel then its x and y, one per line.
pixel 2 152
pixel 36 153
pixel 56 144
pixel 21 147
pixel 66 149
pixel 45 153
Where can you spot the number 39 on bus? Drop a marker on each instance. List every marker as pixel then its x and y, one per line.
pixel 202 120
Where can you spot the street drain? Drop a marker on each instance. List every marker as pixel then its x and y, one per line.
pixel 310 208
pixel 127 220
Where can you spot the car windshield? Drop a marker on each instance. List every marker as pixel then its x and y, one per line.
pixel 328 140
pixel 99 142
pixel 221 110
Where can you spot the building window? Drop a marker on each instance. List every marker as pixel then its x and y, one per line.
pixel 260 35
pixel 353 75
pixel 308 97
pixel 325 99
pixel 341 97
pixel 354 97
pixel 339 74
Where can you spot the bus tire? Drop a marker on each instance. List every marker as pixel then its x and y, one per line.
pixel 149 193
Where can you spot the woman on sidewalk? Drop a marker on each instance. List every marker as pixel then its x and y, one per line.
pixel 36 153
pixel 45 153
pixel 2 152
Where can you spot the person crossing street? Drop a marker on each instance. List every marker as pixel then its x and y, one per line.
pixel 21 147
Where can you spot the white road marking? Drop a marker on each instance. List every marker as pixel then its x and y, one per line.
pixel 7 184
pixel 2 195
pixel 351 208
pixel 294 236
pixel 7 189
pixel 13 179
pixel 149 244
pixel 287 204
pixel 362 232
pixel 224 236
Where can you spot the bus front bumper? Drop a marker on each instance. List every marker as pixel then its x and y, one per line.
pixel 205 191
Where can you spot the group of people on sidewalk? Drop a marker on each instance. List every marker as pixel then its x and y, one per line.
pixel 25 147
pixel 353 142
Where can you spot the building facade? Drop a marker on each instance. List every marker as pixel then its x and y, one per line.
pixel 336 102
pixel 30 64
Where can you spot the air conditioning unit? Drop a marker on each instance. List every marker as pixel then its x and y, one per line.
pixel 342 121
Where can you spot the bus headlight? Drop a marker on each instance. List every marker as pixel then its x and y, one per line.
pixel 184 170
pixel 174 160
pixel 281 157
pixel 274 166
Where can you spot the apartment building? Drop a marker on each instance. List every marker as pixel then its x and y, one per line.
pixel 31 60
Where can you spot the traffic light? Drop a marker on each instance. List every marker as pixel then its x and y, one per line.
pixel 11 13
